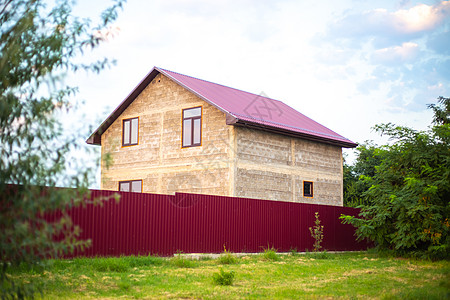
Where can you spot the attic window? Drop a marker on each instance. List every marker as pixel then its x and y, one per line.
pixel 134 186
pixel 192 127
pixel 308 189
pixel 130 132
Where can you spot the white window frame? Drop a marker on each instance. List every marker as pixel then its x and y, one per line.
pixel 130 132
pixel 191 131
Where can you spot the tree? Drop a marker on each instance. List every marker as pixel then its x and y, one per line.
pixel 408 199
pixel 369 156
pixel 38 46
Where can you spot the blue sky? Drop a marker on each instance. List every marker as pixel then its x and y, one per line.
pixel 348 64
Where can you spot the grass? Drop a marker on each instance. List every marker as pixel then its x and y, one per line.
pixel 227 259
pixel 270 254
pixel 223 277
pixel 349 275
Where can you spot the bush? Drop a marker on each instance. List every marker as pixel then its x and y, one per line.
pixel 270 254
pixel 223 277
pixel 407 203
pixel 227 258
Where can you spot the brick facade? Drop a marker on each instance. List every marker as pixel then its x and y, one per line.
pixel 159 160
pixel 232 161
pixel 272 166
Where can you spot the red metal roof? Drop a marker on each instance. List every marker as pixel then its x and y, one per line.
pixel 242 109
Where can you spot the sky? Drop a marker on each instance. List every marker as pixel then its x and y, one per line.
pixel 347 64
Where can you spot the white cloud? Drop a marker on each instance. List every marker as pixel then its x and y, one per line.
pixel 420 18
pixel 390 26
pixel 396 55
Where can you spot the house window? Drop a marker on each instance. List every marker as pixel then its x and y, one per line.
pixel 134 186
pixel 308 189
pixel 192 127
pixel 130 132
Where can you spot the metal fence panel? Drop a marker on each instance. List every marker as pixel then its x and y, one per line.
pixel 143 224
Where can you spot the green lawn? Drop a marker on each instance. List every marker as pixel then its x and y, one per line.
pixel 350 275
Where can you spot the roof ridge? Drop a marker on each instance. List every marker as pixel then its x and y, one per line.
pixel 226 86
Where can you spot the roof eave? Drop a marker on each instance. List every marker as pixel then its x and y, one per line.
pixel 94 139
pixel 242 123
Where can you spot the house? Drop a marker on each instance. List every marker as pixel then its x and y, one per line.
pixel 176 133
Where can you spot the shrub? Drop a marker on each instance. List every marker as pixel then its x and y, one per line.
pixel 317 233
pixel 227 258
pixel 270 254
pixel 407 203
pixel 223 277
pixel 293 252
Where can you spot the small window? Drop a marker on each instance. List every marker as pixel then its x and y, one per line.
pixel 134 186
pixel 192 127
pixel 130 132
pixel 308 189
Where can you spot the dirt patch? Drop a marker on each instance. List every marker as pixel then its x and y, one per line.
pixel 137 275
pixel 359 272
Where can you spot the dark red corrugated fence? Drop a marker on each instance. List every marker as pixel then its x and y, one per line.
pixel 142 224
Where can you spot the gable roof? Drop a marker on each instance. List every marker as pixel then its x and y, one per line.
pixel 241 109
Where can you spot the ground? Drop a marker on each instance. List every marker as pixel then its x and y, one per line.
pixel 358 275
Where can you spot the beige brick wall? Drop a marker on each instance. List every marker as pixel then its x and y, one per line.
pixel 232 161
pixel 159 160
pixel 272 166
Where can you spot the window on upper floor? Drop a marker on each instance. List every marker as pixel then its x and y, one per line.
pixel 192 127
pixel 308 189
pixel 134 186
pixel 130 132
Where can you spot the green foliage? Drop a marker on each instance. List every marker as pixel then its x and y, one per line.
pixel 270 254
pixel 223 277
pixel 320 255
pixel 293 252
pixel 227 258
pixel 181 262
pixel 124 284
pixel 111 264
pixel 141 261
pixel 317 233
pixel 409 207
pixel 38 47
pixel 369 156
pixel 441 111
